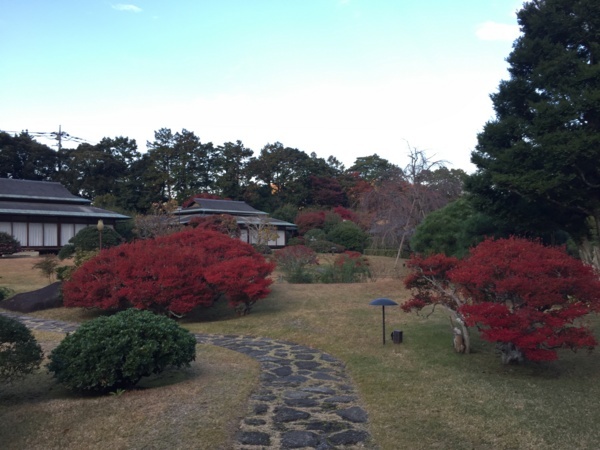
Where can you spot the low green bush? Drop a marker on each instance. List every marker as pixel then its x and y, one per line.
pixel 298 240
pixel 88 238
pixel 115 352
pixel 349 235
pixel 5 292
pixel 296 263
pixel 263 249
pixel 63 273
pixel 20 354
pixel 323 246
pixel 349 267
pixel 66 251
pixel 316 234
pixel 8 244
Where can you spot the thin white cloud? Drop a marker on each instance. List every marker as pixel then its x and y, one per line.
pixel 493 31
pixel 127 7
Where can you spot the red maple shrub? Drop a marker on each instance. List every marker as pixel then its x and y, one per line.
pixel 310 220
pixel 522 295
pixel 172 274
pixel 346 214
pixel 223 223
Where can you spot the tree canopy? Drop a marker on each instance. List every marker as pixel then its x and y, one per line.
pixel 537 159
pixel 522 295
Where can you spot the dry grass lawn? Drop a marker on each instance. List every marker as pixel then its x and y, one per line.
pixel 197 407
pixel 419 394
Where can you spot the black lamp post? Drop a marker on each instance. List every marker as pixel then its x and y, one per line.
pixel 383 302
pixel 100 227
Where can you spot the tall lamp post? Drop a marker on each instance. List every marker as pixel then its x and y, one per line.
pixel 100 227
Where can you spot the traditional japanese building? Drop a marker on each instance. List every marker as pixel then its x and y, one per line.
pixel 44 215
pixel 250 220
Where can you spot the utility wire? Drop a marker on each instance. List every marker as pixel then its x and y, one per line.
pixel 58 136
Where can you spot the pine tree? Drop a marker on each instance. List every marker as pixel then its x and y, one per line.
pixel 538 158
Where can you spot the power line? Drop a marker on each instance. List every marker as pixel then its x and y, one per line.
pixel 58 136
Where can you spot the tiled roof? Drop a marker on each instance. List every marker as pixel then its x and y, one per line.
pixel 27 190
pixel 244 220
pixel 57 210
pixel 220 207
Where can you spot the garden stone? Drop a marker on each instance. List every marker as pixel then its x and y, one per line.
pixel 354 414
pixel 299 439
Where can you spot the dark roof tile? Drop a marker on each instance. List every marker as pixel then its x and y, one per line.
pixel 28 190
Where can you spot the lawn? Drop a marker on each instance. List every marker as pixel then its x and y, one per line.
pixel 419 394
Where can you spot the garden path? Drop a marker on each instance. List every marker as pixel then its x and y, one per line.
pixel 305 399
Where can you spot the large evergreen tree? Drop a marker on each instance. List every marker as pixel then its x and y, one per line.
pixel 538 158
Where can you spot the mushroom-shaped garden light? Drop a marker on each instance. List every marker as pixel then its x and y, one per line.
pixel 383 302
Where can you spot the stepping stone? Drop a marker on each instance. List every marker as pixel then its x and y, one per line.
pixel 282 371
pixel 320 390
pixel 301 402
pixel 290 415
pixel 254 438
pixel 299 439
pixel 354 414
pixel 310 365
pixel 349 437
pixel 340 399
pixel 327 427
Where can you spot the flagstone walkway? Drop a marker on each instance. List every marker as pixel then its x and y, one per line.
pixel 305 400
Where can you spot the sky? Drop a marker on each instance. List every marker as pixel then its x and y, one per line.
pixel 348 78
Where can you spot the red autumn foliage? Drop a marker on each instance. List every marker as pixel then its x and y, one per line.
pixel 357 259
pixel 223 223
pixel 296 256
pixel 522 295
pixel 309 220
pixel 172 274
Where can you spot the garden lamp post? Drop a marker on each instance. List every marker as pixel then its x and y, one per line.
pixel 383 302
pixel 100 227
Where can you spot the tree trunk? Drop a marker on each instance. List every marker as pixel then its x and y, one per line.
pixel 589 252
pixel 462 339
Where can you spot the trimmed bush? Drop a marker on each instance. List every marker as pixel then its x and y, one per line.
pixel 5 292
pixel 110 353
pixel 323 246
pixel 66 251
pixel 316 234
pixel 349 235
pixel 20 354
pixel 8 244
pixel 88 239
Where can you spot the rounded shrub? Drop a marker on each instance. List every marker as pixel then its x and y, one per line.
pixel 5 292
pixel 316 234
pixel 89 238
pixel 20 353
pixel 323 246
pixel 8 244
pixel 349 235
pixel 114 352
pixel 66 251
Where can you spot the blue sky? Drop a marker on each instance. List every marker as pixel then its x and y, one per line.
pixel 347 78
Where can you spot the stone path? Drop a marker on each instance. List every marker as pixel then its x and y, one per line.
pixel 304 401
